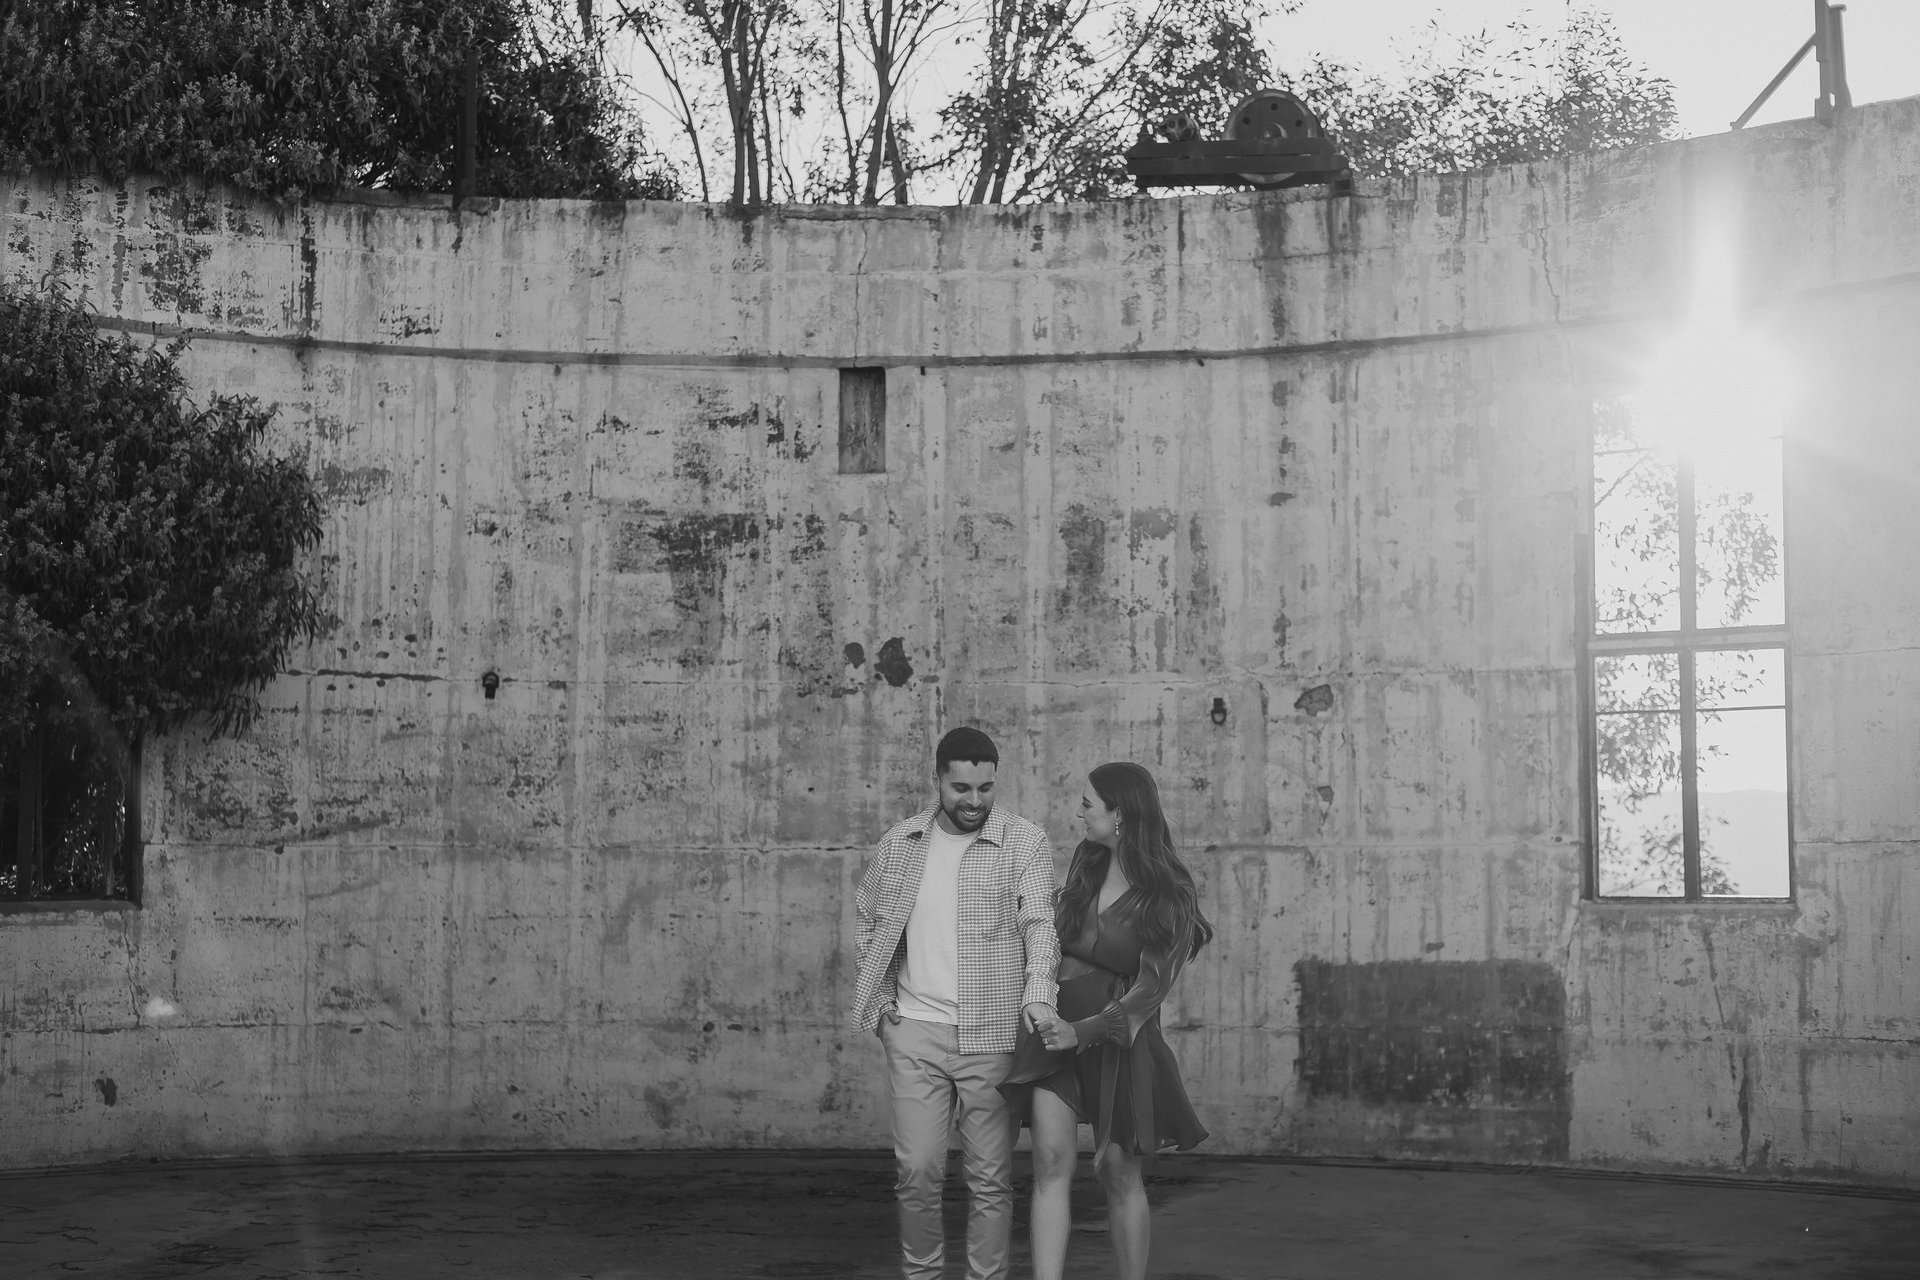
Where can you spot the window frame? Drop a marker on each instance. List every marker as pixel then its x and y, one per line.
pixel 124 885
pixel 1686 641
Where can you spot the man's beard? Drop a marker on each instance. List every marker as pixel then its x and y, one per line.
pixel 962 825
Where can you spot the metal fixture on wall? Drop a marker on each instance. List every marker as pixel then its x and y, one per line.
pixel 1830 47
pixel 1219 712
pixel 1272 140
pixel 490 684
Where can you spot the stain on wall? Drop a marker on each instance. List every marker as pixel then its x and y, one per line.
pixel 1462 1058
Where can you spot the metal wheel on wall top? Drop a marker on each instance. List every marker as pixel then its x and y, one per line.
pixel 1268 114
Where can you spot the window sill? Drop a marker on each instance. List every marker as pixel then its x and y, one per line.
pixel 60 906
pixel 1757 906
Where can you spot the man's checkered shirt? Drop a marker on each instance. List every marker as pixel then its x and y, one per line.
pixel 1009 952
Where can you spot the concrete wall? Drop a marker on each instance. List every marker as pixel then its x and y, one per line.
pixel 1323 458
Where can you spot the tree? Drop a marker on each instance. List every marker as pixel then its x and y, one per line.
pixel 893 33
pixel 151 568
pixel 741 40
pixel 1064 85
pixel 1178 58
pixel 285 97
pixel 1483 102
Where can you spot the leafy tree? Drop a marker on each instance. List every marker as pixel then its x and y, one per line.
pixel 285 97
pixel 150 564
pixel 1483 102
pixel 1064 86
pixel 755 71
pixel 891 34
pixel 1189 59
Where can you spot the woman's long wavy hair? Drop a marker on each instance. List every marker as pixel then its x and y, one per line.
pixel 1168 904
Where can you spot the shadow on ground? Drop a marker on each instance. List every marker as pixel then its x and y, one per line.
pixel 703 1215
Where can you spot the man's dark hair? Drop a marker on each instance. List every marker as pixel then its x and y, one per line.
pixel 965 743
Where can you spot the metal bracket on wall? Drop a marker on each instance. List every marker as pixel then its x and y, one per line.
pixel 1829 45
pixel 1272 140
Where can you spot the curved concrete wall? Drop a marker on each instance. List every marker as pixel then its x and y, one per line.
pixel 1322 458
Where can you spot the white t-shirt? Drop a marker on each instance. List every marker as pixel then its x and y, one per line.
pixel 929 975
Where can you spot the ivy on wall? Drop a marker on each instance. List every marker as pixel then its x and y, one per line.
pixel 286 97
pixel 152 570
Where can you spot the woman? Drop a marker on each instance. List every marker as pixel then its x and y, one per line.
pixel 1128 921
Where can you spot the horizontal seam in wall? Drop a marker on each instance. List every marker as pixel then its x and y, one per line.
pixel 623 359
pixel 1153 680
pixel 627 359
pixel 368 838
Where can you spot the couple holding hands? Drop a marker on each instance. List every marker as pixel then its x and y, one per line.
pixel 1003 999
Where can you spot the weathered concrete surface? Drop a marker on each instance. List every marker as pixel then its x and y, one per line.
pixel 703 1216
pixel 1325 459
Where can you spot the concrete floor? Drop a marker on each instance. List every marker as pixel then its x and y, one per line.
pixel 698 1215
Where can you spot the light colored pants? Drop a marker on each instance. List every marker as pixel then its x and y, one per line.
pixel 934 1085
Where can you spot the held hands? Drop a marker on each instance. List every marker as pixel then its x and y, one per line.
pixel 1056 1033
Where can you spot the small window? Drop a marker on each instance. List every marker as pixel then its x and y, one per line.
pixel 69 816
pixel 1687 660
pixel 863 421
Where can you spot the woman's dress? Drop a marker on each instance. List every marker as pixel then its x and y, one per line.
pixel 1123 1079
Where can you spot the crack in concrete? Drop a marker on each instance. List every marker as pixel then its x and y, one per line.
pixel 134 991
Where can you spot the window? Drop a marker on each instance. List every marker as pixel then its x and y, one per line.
pixel 68 818
pixel 1687 662
pixel 863 421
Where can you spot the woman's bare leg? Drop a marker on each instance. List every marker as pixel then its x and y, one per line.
pixel 1056 1132
pixel 1128 1224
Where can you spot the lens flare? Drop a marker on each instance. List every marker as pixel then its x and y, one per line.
pixel 1717 386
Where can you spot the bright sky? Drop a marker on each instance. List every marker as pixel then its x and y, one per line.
pixel 1718 54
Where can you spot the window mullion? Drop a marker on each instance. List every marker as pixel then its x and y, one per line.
pixel 1689 737
pixel 1689 778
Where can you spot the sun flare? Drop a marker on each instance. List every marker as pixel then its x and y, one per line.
pixel 1717 385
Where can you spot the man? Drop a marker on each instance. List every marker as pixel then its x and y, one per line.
pixel 956 946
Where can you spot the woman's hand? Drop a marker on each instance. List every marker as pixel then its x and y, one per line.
pixel 1057 1033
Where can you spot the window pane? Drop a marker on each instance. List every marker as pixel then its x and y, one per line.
pixel 1636 548
pixel 1729 678
pixel 1640 834
pixel 64 814
pixel 1636 682
pixel 1743 803
pixel 1737 505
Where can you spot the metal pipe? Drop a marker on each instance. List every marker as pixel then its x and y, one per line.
pixel 1773 84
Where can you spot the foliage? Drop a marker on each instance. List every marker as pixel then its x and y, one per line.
pixel 891 34
pixel 736 35
pixel 1636 518
pixel 1059 132
pixel 285 97
pixel 1049 93
pixel 1485 102
pixel 1069 92
pixel 1651 863
pixel 759 70
pixel 150 551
